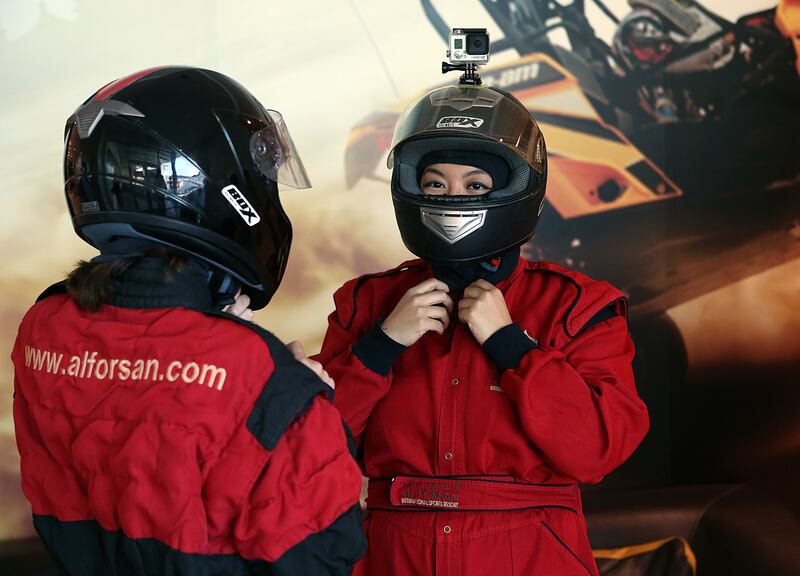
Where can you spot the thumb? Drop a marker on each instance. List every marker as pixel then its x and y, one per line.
pixel 296 349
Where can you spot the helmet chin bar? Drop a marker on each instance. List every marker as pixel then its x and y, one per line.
pixel 448 235
pixel 452 225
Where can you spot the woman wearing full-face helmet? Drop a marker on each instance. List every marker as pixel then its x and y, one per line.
pixel 481 388
pixel 159 433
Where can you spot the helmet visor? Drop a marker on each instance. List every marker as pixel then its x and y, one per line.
pixel 474 111
pixel 127 168
pixel 274 153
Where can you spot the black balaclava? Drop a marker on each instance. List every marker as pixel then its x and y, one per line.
pixel 221 285
pixel 459 276
pixel 492 164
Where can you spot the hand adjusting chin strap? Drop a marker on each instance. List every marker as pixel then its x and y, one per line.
pixel 459 276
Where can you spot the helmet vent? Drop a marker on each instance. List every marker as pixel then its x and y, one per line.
pixel 462 98
pixel 87 120
pixel 91 114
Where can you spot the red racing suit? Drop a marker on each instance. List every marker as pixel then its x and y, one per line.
pixel 161 439
pixel 473 465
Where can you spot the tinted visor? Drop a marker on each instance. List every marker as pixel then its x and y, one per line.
pixel 129 168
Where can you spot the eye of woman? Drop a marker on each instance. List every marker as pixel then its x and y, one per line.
pixel 432 185
pixel 478 186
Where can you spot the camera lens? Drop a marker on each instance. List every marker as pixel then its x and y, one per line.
pixel 477 44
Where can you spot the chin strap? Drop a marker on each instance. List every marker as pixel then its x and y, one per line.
pixel 492 265
pixel 223 288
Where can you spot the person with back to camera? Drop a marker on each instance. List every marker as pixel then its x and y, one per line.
pixel 159 433
pixel 481 388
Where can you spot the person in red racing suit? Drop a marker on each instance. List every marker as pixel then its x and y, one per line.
pixel 159 434
pixel 481 388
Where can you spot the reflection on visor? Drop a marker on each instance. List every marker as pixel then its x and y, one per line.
pixel 181 176
pixel 273 152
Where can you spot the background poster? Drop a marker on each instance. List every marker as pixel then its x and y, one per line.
pixel 714 281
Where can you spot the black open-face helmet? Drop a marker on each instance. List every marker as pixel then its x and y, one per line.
pixel 186 158
pixel 455 229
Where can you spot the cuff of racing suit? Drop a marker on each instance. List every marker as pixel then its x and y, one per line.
pixel 508 345
pixel 377 351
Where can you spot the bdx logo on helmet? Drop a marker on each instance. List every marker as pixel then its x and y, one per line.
pixel 242 206
pixel 459 122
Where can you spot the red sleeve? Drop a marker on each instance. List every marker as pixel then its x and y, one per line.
pixel 358 388
pixel 579 405
pixel 309 481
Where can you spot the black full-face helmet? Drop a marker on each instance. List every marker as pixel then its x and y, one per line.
pixel 459 229
pixel 186 158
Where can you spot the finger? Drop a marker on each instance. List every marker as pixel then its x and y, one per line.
pixel 433 325
pixel 429 285
pixel 431 298
pixel 247 315
pixel 466 303
pixel 484 285
pixel 242 301
pixel 440 314
pixel 473 291
pixel 439 285
pixel 296 349
pixel 241 304
pixel 325 377
pixel 424 286
pixel 448 304
pixel 313 364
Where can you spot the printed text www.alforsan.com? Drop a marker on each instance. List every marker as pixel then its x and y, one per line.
pixel 91 365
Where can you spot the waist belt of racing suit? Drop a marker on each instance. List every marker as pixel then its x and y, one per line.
pixel 468 493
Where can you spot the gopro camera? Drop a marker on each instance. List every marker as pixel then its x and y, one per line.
pixel 468 45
